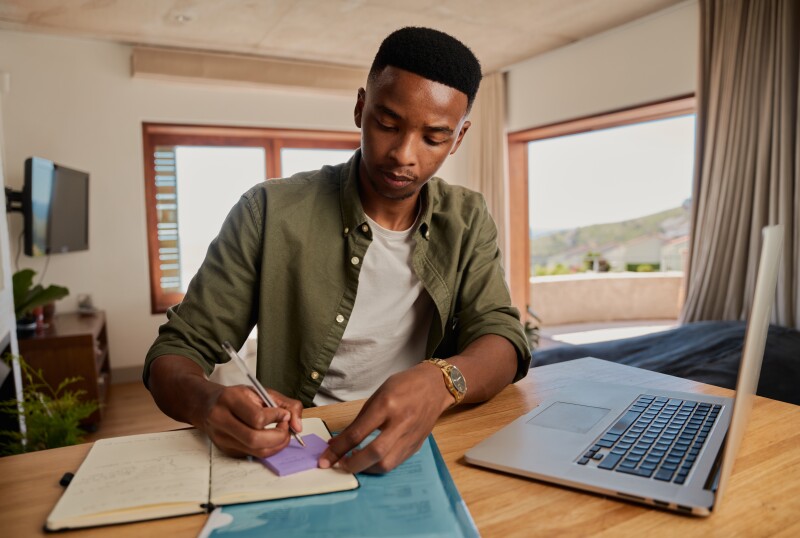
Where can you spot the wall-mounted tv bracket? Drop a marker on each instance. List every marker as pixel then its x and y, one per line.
pixel 13 201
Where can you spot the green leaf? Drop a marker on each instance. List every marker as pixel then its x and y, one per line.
pixel 52 420
pixel 27 296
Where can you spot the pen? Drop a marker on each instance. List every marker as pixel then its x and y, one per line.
pixel 255 383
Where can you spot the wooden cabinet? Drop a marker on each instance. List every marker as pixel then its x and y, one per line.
pixel 73 345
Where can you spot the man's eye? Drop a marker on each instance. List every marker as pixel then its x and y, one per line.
pixel 386 127
pixel 433 142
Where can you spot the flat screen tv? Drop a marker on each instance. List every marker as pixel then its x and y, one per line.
pixel 55 201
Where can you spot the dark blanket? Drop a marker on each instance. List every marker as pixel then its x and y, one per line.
pixel 705 351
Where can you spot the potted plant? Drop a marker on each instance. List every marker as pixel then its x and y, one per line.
pixel 52 416
pixel 29 297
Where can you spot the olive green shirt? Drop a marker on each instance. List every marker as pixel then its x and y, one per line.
pixel 287 259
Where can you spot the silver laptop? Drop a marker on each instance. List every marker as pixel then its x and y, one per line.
pixel 674 450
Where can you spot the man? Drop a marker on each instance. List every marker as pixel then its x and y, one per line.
pixel 354 274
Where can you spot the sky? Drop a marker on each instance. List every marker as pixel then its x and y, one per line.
pixel 610 175
pixel 210 182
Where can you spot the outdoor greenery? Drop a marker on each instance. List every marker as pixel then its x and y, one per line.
pixel 643 267
pixel 52 416
pixel 557 269
pixel 591 238
pixel 533 325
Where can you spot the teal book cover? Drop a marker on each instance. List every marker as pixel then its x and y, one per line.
pixel 418 498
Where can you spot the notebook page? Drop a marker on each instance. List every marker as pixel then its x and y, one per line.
pixel 137 471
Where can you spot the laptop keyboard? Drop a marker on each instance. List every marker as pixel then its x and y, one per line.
pixel 657 438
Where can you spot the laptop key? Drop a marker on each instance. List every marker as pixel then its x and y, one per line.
pixel 663 474
pixel 623 423
pixel 610 461
pixel 637 472
pixel 583 461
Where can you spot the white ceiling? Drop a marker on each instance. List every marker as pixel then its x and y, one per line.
pixel 344 32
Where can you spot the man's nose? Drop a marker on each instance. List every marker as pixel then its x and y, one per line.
pixel 403 151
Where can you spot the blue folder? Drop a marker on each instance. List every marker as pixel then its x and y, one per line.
pixel 418 498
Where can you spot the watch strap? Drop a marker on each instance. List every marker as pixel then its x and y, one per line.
pixel 446 369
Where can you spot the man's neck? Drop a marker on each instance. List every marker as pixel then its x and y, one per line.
pixel 393 215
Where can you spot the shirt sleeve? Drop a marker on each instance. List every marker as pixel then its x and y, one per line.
pixel 483 298
pixel 221 301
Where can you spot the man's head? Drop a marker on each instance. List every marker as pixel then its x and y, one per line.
pixel 433 55
pixel 413 111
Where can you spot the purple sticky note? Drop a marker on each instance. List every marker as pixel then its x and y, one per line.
pixel 294 458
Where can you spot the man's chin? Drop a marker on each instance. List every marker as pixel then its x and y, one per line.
pixel 393 194
pixel 397 195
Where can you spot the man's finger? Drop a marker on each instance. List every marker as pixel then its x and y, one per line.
pixel 264 443
pixel 246 406
pixel 378 457
pixel 349 439
pixel 295 408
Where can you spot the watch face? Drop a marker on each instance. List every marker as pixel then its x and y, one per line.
pixel 458 380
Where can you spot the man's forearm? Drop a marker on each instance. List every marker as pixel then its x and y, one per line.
pixel 488 365
pixel 180 388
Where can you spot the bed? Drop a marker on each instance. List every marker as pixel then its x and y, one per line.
pixel 705 351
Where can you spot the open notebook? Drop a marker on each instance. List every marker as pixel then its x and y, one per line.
pixel 151 476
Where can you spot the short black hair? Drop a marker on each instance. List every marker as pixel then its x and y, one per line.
pixel 433 55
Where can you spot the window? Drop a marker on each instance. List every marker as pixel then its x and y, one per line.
pixel 604 193
pixel 195 174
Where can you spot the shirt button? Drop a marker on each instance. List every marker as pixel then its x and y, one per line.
pixel 354 260
pixel 339 318
pixel 346 230
pixel 427 234
pixel 364 228
pixel 314 375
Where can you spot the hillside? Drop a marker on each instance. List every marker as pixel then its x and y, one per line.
pixel 595 237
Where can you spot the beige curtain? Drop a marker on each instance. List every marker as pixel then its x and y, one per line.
pixel 747 169
pixel 487 170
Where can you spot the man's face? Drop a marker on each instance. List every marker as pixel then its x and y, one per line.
pixel 409 125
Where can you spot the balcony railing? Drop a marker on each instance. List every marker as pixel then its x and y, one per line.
pixel 601 297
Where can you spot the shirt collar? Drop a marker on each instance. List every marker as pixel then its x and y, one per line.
pixel 353 215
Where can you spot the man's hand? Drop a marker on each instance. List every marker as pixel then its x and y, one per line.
pixel 407 405
pixel 236 420
pixel 233 417
pixel 405 409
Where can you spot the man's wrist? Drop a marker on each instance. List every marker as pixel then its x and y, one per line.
pixel 452 378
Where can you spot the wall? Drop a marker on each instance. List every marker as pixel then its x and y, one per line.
pixel 651 59
pixel 74 101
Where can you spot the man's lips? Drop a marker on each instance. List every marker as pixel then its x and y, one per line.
pixel 397 180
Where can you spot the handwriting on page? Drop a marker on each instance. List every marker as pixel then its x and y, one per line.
pixel 141 470
pixel 294 458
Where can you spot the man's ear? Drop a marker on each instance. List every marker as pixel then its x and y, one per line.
pixel 461 134
pixel 362 95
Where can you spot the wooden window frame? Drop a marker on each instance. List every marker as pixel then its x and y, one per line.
pixel 519 259
pixel 271 140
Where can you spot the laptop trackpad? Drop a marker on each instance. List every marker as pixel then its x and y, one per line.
pixel 569 417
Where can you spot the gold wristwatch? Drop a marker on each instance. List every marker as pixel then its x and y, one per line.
pixel 453 378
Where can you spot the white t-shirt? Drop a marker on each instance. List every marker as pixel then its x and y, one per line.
pixel 388 328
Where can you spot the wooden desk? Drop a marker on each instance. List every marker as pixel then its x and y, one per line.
pixel 763 499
